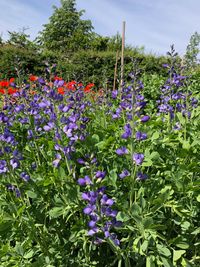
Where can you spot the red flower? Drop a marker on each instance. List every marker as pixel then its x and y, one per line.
pixel 56 78
pixel 12 80
pixel 88 87
pixel 33 78
pixel 32 92
pixel 12 91
pixel 71 85
pixel 2 91
pixel 4 83
pixel 61 90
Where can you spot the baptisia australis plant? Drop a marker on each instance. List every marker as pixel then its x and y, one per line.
pixel 99 209
pixel 175 97
pixel 131 105
pixel 40 115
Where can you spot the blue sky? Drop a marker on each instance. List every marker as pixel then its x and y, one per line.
pixel 154 24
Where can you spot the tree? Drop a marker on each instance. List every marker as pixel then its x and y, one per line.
pixel 192 51
pixel 66 31
pixel 20 39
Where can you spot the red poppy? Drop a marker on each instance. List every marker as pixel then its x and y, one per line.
pixel 12 80
pixel 12 91
pixel 4 83
pixel 33 78
pixel 88 87
pixel 56 78
pixel 2 91
pixel 61 90
pixel 71 85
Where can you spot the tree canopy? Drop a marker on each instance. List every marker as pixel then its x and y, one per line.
pixel 66 30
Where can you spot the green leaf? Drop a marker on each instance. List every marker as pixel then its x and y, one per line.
pixel 181 118
pixel 150 261
pixel 122 216
pixel 5 226
pixel 147 222
pixel 198 198
pixel 19 249
pixel 147 162
pixel 61 173
pixel 186 145
pixel 95 137
pixel 155 136
pixel 56 212
pixel 182 245
pixel 166 262
pixel 177 254
pixel 112 177
pixel 163 250
pixel 144 245
pixel 185 225
pixel 31 194
pixel 29 254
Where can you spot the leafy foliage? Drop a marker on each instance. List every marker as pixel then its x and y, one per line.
pixel 192 51
pixel 66 31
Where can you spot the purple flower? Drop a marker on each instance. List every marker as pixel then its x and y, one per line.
pixel 92 224
pixel 100 174
pixel 89 209
pixel 98 241
pixel 60 83
pixel 140 105
pixel 114 94
pixel 3 166
pixel 127 131
pixel 41 81
pixel 138 158
pixel 90 196
pixel 140 136
pixel 84 181
pixel 25 176
pixel 14 163
pixel 56 161
pixel 107 211
pixel 81 161
pixel 105 200
pixel 93 231
pixel 115 240
pixel 141 176
pixel 177 126
pixel 45 103
pixel 144 118
pixel 139 97
pixel 124 174
pixel 165 65
pixel 48 127
pixel 121 151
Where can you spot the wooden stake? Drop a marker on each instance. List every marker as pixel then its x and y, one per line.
pixel 115 72
pixel 122 54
